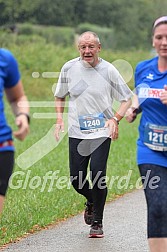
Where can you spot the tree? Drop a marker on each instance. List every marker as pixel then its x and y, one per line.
pixel 130 21
pixel 59 13
pixel 17 11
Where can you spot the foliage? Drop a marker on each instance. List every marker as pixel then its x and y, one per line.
pixel 28 33
pixel 52 34
pixel 129 21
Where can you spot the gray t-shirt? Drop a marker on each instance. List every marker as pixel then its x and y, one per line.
pixel 91 92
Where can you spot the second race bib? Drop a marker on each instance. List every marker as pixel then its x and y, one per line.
pixel 155 137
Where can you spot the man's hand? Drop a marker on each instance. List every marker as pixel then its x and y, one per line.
pixel 59 127
pixel 113 128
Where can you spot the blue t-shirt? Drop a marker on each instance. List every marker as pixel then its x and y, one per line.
pixel 9 77
pixel 149 83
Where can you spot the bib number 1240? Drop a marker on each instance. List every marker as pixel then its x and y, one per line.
pixel 91 123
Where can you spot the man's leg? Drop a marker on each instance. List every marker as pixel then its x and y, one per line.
pixel 98 163
pixel 98 166
pixel 78 169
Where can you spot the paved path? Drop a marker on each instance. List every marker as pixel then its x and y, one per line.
pixel 124 228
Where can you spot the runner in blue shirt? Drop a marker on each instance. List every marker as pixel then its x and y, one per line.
pixel 11 84
pixel 151 101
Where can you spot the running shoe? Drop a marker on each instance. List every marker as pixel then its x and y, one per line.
pixel 96 230
pixel 88 214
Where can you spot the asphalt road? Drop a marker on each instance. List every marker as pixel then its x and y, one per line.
pixel 124 230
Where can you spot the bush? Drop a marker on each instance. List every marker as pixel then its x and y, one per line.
pixel 52 34
pixel 64 36
pixel 26 29
pixel 6 39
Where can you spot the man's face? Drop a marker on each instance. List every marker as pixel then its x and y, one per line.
pixel 160 40
pixel 89 49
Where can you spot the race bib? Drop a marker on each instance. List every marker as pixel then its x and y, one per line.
pixel 91 123
pixel 155 137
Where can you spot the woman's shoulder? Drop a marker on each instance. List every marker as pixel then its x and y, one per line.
pixel 146 63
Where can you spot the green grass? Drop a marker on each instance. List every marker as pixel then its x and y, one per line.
pixel 26 209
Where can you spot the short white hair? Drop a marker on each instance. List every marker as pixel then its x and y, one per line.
pixel 91 33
